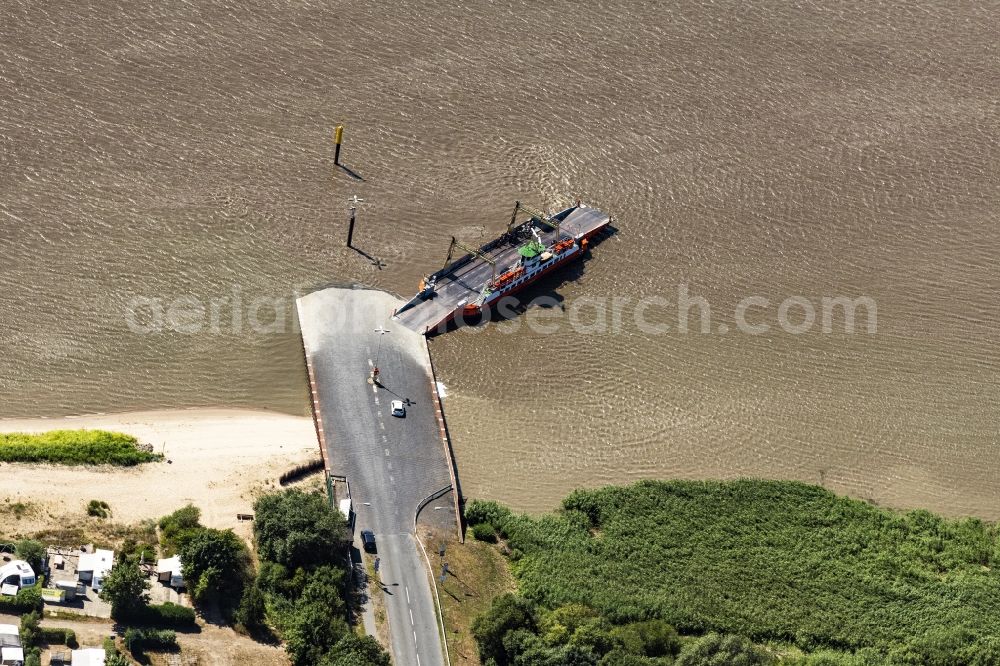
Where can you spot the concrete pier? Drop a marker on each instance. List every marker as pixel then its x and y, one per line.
pixel 393 464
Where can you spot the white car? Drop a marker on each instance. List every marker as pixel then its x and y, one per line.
pixel 397 408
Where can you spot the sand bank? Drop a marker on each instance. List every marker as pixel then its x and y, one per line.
pixel 216 459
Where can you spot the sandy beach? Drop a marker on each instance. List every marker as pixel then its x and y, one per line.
pixel 216 459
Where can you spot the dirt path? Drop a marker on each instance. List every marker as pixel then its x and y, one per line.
pixel 212 646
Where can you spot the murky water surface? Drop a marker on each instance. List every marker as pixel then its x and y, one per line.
pixel 152 151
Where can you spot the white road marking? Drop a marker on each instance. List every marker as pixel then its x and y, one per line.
pixel 381 425
pixel 370 364
pixel 407 594
pixel 411 616
pixel 387 452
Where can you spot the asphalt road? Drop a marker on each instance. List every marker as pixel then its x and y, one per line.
pixel 391 463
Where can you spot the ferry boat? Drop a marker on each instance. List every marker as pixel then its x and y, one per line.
pixel 472 284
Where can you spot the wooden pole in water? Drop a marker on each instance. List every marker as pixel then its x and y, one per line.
pixel 338 137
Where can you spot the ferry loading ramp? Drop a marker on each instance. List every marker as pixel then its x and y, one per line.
pixel 461 282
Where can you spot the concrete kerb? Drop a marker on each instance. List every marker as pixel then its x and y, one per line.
pixel 446 442
pixel 442 631
pixel 314 396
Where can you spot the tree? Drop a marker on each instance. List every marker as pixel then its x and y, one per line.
pixel 126 589
pixel 31 552
pixel 353 650
pixel 717 650
pixel 507 613
pixel 297 529
pixel 215 565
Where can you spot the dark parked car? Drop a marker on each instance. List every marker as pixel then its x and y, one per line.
pixel 368 541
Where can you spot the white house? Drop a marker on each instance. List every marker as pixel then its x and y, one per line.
pixel 17 573
pixel 88 657
pixel 11 656
pixel 93 567
pixel 169 571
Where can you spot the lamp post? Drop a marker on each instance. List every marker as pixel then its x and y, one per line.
pixel 378 349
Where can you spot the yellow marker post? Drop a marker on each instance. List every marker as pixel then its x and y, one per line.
pixel 338 137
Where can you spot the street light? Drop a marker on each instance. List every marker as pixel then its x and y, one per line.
pixel 381 331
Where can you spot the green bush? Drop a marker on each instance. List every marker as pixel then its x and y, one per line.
pixel 98 509
pixel 33 657
pixel 26 600
pixel 29 630
pixel 479 511
pixel 74 447
pixel 59 636
pixel 164 615
pixel 716 650
pixel 179 527
pixel 485 532
pixel 138 641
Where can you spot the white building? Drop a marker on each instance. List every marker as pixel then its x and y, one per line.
pixel 88 657
pixel 17 573
pixel 169 571
pixel 93 567
pixel 11 653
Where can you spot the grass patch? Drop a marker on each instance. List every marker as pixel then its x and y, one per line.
pixel 774 561
pixel 477 573
pixel 17 509
pixel 74 447
pixel 98 509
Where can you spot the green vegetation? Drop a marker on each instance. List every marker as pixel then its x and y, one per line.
pixel 29 630
pixel 166 615
pixel 32 552
pixel 126 589
pixel 178 528
pixel 74 447
pixel 302 582
pixel 297 529
pixel 59 636
pixel 137 641
pixel 216 563
pixel 98 509
pixel 26 600
pixel 781 563
pixel 216 568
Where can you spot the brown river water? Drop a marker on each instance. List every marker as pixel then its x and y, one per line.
pixel 165 150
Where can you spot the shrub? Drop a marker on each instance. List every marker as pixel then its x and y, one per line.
pixel 165 615
pixel 59 636
pixel 98 509
pixel 138 641
pixel 506 614
pixel 26 600
pixel 33 657
pixel 484 532
pixel 29 630
pixel 177 529
pixel 494 513
pixel 716 650
pixel 74 447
